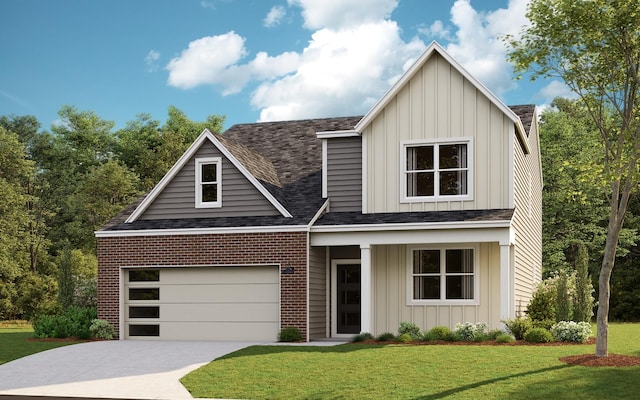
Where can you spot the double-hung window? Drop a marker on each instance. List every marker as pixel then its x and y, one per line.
pixel 442 275
pixel 436 170
pixel 208 182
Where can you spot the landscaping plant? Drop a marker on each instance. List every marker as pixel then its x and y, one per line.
pixel 570 331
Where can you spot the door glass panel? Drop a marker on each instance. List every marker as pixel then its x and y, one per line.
pixel 144 312
pixel 144 330
pixel 144 275
pixel 144 293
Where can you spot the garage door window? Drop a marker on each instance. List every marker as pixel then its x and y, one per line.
pixel 144 330
pixel 144 293
pixel 144 312
pixel 144 275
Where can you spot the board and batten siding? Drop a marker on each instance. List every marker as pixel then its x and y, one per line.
pixel 239 196
pixel 438 103
pixel 344 173
pixel 527 221
pixel 317 292
pixel 390 293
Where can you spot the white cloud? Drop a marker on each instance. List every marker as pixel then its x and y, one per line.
pixel 478 44
pixel 151 59
pixel 274 17
pixel 209 60
pixel 338 14
pixel 208 4
pixel 437 29
pixel 341 72
pixel 555 89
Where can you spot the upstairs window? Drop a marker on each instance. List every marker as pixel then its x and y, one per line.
pixel 436 170
pixel 208 182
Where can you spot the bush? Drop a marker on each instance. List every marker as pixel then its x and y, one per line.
pixel 75 322
pixel 438 333
pixel 470 332
pixel 362 337
pixel 289 334
pixel 518 327
pixel 101 329
pixel 409 328
pixel 569 331
pixel 386 337
pixel 494 333
pixel 538 335
pixel 546 324
pixel 543 303
pixel 505 338
pixel 405 338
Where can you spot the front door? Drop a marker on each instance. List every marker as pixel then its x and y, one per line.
pixel 347 298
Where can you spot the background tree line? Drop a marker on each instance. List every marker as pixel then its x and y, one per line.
pixel 57 187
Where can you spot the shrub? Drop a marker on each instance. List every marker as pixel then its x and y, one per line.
pixel 518 327
pixel 409 328
pixel 543 303
pixel 386 337
pixel 505 338
pixel 546 324
pixel 494 333
pixel 75 322
pixel 538 335
pixel 569 331
pixel 470 332
pixel 563 309
pixel 438 333
pixel 289 334
pixel 405 338
pixel 362 337
pixel 101 329
pixel 583 300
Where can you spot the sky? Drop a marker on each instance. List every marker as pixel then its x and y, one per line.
pixel 249 60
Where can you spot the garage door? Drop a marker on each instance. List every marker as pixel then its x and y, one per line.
pixel 217 303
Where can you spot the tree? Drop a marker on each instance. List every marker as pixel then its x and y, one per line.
pixel 594 46
pixel 582 299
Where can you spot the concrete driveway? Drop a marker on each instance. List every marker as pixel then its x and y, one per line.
pixel 112 369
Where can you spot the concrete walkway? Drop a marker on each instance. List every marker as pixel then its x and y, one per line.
pixel 112 369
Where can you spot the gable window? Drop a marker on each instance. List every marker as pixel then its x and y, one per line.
pixel 208 182
pixel 442 275
pixel 436 170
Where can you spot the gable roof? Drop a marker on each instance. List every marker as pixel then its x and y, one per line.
pixel 434 48
pixel 256 164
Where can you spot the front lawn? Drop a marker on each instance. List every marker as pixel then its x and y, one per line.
pixel 354 371
pixel 15 341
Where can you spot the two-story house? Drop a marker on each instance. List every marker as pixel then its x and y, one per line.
pixel 427 209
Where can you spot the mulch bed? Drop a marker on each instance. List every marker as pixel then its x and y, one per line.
pixel 612 360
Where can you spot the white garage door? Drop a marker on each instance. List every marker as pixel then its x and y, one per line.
pixel 217 303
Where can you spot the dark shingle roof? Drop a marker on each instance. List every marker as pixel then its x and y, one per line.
pixel 356 218
pixel 525 112
pixel 258 165
pixel 292 146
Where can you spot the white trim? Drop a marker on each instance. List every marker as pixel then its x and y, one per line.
pixel 202 231
pixel 337 134
pixel 319 213
pixel 334 294
pixel 177 167
pixel 411 72
pixel 443 301
pixel 411 226
pixel 199 162
pixel 512 169
pixel 468 141
pixel 366 289
pixel 365 173
pixel 325 173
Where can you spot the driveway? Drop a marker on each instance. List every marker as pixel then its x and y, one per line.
pixel 113 369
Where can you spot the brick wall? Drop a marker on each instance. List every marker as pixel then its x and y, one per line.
pixel 288 249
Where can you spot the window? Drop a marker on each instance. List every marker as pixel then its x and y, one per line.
pixel 441 275
pixel 144 275
pixel 144 293
pixel 208 182
pixel 436 170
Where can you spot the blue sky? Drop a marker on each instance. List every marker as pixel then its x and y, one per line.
pixel 250 60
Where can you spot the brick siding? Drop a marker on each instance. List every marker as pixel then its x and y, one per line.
pixel 287 249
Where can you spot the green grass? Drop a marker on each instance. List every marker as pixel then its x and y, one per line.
pixel 14 341
pixel 354 371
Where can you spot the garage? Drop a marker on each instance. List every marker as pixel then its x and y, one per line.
pixel 202 303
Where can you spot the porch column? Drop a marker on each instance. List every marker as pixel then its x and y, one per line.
pixel 365 289
pixel 506 289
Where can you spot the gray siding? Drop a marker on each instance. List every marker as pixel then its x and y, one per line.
pixel 344 173
pixel 317 293
pixel 239 196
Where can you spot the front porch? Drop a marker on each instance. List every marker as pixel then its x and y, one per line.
pixel 370 282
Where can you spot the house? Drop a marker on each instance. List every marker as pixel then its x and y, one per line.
pixel 427 209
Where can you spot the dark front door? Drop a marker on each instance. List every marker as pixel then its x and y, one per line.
pixel 348 298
